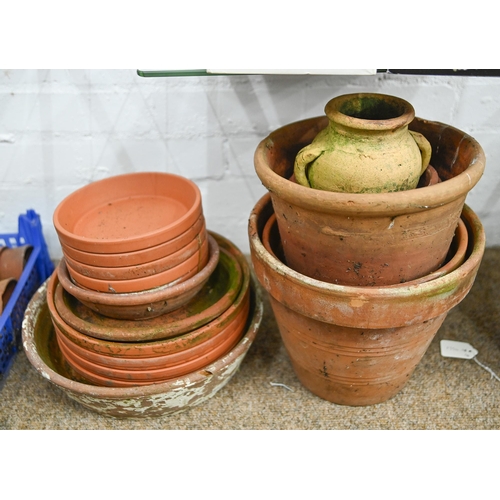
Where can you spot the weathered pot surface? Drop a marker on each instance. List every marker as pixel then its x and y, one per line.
pixel 366 147
pixel 372 239
pixel 141 305
pixel 167 398
pixel 216 296
pixel 128 212
pixel 358 345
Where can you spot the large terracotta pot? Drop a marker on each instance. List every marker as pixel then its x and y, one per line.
pixel 358 345
pixel 369 239
pixel 366 147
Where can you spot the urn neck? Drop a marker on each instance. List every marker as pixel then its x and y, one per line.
pixel 370 112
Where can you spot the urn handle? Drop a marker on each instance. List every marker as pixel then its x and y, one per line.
pixel 302 161
pixel 425 149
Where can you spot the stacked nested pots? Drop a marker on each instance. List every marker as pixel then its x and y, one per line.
pixel 144 293
pixel 361 281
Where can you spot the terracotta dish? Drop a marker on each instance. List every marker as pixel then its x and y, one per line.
pixel 167 398
pixel 139 256
pixel 209 303
pixel 181 272
pixel 7 287
pixel 139 270
pixel 128 212
pixel 141 305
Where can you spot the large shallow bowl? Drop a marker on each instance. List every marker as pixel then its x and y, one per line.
pixel 139 256
pixel 128 212
pixel 166 398
pixel 209 303
pixel 141 305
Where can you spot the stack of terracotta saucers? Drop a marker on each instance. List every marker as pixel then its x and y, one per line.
pixel 144 292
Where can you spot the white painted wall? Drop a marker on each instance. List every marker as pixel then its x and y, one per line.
pixel 61 129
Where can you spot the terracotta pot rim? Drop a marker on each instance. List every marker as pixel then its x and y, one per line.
pixel 409 201
pixel 34 310
pixel 397 292
pixel 146 296
pixel 132 243
pixel 333 111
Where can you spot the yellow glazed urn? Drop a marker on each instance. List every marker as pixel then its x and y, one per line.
pixel 366 147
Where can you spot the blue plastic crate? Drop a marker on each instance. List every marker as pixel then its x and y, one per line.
pixel 38 268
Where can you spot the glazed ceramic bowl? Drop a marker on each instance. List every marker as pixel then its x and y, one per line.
pixel 216 296
pixel 146 304
pixel 167 398
pixel 176 274
pixel 138 271
pixel 128 212
pixel 137 257
pixel 456 255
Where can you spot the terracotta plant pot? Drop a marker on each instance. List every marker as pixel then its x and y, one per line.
pixel 138 271
pixel 456 255
pixel 356 345
pixel 368 239
pixel 13 260
pixel 167 398
pixel 139 256
pixel 146 304
pixel 366 147
pixel 7 287
pixel 128 212
pixel 183 271
pixel 218 294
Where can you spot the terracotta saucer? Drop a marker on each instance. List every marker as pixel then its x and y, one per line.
pixel 128 212
pixel 210 302
pixel 183 271
pixel 157 347
pixel 173 366
pixel 139 256
pixel 146 304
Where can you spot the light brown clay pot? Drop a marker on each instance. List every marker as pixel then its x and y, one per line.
pixel 167 398
pixel 356 345
pixel 13 260
pixel 368 239
pixel 456 255
pixel 429 177
pixel 128 212
pixel 138 271
pixel 366 147
pixel 139 256
pixel 7 287
pixel 176 274
pixel 146 304
pixel 218 294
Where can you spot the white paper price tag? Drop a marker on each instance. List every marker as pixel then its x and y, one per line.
pixel 455 349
